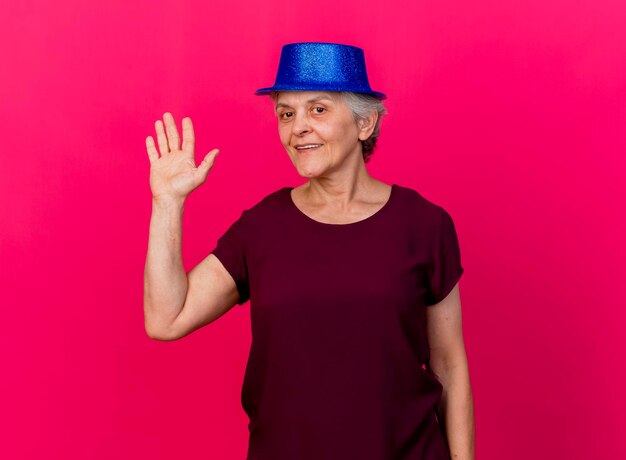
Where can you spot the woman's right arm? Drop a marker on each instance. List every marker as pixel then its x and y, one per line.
pixel 165 279
pixel 177 303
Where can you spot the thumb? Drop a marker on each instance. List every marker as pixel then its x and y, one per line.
pixel 207 163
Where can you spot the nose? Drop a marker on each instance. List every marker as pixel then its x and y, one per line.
pixel 300 125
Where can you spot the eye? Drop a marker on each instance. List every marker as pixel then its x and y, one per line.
pixel 285 115
pixel 319 109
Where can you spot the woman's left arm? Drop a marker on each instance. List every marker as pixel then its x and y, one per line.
pixel 448 361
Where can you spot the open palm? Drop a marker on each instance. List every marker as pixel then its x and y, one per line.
pixel 174 174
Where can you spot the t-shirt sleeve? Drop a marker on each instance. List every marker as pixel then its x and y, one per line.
pixel 232 253
pixel 445 269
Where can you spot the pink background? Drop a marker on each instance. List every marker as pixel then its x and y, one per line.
pixel 509 114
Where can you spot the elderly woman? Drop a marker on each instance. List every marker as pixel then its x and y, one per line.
pixel 357 346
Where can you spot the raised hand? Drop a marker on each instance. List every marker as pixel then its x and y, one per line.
pixel 174 174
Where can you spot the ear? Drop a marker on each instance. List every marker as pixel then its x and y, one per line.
pixel 366 125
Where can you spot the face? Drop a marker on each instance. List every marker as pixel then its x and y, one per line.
pixel 318 131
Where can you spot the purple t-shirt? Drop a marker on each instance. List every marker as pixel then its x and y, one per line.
pixel 338 315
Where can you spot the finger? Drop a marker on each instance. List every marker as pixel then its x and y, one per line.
pixel 161 139
pixel 172 133
pixel 153 154
pixel 207 163
pixel 189 140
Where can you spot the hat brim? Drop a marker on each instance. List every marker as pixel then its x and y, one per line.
pixel 265 91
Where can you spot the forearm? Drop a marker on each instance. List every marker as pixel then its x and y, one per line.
pixel 457 410
pixel 165 279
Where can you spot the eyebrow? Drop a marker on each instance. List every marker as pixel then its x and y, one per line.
pixel 315 99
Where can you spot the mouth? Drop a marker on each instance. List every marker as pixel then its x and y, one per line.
pixel 308 147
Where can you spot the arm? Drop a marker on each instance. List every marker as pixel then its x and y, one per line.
pixel 165 280
pixel 448 361
pixel 176 303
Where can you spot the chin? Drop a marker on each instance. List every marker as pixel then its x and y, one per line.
pixel 309 172
pixel 309 168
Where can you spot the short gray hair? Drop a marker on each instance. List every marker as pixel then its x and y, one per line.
pixel 361 105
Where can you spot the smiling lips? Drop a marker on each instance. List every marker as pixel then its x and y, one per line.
pixel 306 147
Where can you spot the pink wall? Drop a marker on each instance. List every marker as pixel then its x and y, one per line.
pixel 510 114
